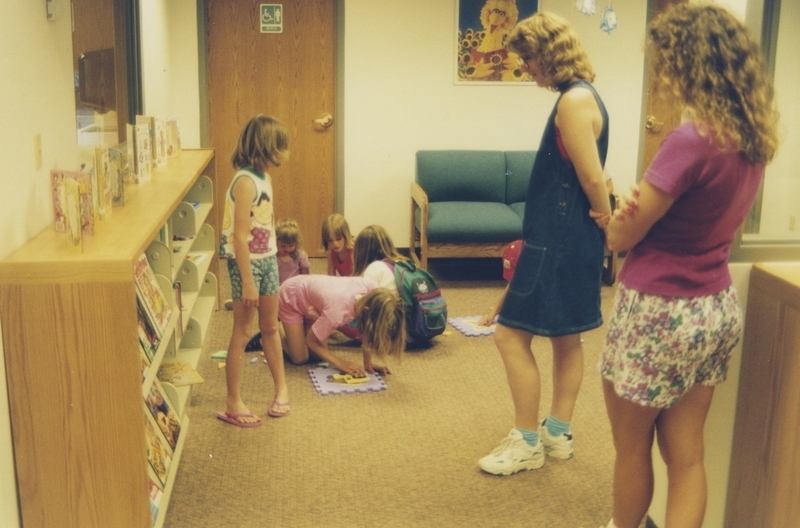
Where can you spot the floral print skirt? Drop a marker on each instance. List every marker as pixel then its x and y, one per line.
pixel 657 347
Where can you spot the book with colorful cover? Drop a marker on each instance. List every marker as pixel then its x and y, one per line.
pixel 179 373
pixel 102 169
pixel 145 359
pixel 143 153
pixel 164 414
pixel 158 453
pixel 57 178
pixel 116 174
pixel 173 137
pixel 130 154
pixel 156 492
pixel 159 125
pixel 148 337
pixel 153 298
pixel 72 212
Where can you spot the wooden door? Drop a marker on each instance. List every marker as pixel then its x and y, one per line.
pixel 289 75
pixel 662 116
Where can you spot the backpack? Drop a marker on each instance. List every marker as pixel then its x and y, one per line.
pixel 426 309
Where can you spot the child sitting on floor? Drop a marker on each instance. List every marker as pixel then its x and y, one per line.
pixel 313 306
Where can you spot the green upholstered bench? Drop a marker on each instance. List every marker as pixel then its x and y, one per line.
pixel 470 203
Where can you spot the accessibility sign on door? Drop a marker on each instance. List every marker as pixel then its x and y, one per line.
pixel 272 18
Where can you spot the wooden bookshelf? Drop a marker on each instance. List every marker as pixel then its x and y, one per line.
pixel 72 357
pixel 763 487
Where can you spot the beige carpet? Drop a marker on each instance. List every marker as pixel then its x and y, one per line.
pixel 401 457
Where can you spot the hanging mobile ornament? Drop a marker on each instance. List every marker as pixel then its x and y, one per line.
pixel 609 21
pixel 587 7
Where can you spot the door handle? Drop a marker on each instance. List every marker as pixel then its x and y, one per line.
pixel 325 120
pixel 651 123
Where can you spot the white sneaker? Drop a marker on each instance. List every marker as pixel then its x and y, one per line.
pixel 512 455
pixel 556 446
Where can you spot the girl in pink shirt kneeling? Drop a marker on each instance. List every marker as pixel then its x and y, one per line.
pixel 311 307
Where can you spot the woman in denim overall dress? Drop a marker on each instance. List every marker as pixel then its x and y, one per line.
pixel 555 291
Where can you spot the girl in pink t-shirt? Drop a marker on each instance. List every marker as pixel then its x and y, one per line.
pixel 311 307
pixel 676 317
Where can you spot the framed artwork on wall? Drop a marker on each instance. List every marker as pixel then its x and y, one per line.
pixel 482 28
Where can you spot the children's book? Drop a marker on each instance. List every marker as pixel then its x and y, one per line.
pixel 145 359
pixel 165 416
pixel 130 154
pixel 101 167
pixel 72 212
pixel 179 373
pixel 156 492
pixel 173 137
pixel 157 452
pixel 155 302
pixel 116 174
pixel 148 337
pixel 159 125
pixel 57 178
pixel 143 153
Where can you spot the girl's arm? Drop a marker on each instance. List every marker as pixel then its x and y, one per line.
pixel 244 193
pixel 637 212
pixel 580 121
pixel 321 349
pixel 370 367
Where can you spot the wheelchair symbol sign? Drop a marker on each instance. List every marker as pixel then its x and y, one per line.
pixel 271 18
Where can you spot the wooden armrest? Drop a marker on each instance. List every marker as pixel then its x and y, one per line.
pixel 419 195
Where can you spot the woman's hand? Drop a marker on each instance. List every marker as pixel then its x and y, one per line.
pixel 601 219
pixel 628 205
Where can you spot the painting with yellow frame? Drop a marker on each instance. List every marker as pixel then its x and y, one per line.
pixel 483 27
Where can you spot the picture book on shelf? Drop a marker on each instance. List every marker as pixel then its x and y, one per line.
pixel 156 492
pixel 116 174
pixel 179 373
pixel 72 212
pixel 177 289
pixel 143 153
pixel 155 302
pixel 57 178
pixel 157 453
pixel 145 359
pixel 148 337
pixel 164 414
pixel 173 137
pixel 101 166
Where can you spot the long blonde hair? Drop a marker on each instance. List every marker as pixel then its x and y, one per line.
pixel 263 139
pixel 707 60
pixel 381 319
pixel 373 243
pixel 551 40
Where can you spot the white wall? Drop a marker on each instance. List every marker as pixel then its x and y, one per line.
pixel 170 82
pixel 36 97
pixel 400 97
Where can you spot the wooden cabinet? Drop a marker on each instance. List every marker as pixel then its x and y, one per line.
pixel 764 487
pixel 72 356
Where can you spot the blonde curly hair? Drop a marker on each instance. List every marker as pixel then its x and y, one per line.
pixel 552 41
pixel 703 56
